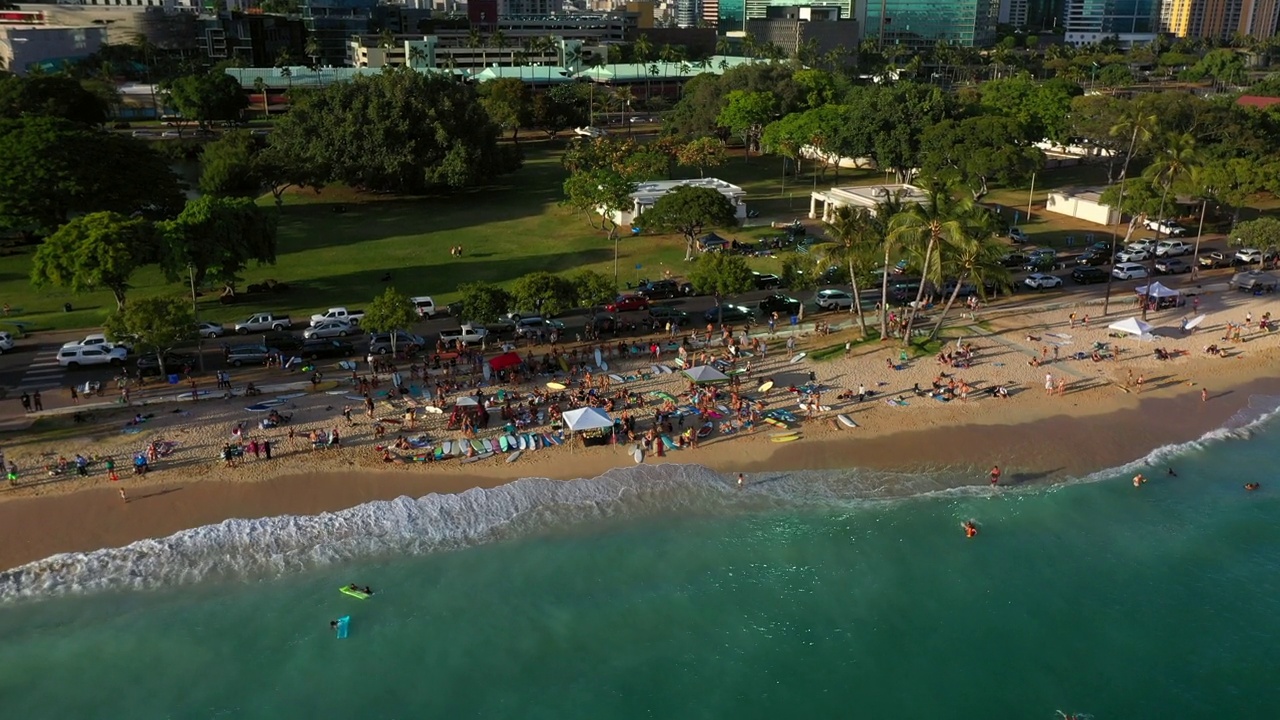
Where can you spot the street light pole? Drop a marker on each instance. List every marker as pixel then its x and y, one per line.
pixel 191 274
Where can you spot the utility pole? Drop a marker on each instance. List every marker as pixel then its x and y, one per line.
pixel 191 274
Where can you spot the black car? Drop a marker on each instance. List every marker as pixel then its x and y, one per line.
pixel 781 304
pixel 1014 260
pixel 660 289
pixel 325 348
pixel 173 362
pixel 611 323
pixel 731 313
pixel 283 341
pixel 1094 258
pixel 766 281
pixel 1086 274
pixel 664 314
pixel 966 289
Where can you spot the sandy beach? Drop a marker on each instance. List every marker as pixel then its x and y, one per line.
pixel 1101 416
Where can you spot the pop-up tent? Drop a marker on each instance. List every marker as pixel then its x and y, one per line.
pixel 588 418
pixel 1157 290
pixel 705 374
pixel 1133 326
pixel 504 361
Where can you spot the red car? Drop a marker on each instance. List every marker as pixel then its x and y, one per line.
pixel 625 303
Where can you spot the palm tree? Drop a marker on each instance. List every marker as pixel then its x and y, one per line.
pixel 974 255
pixel 723 46
pixel 1137 123
pixel 886 210
pixel 260 87
pixel 855 233
pixel 312 50
pixel 287 73
pixel 1173 164
pixel 921 230
pixel 498 40
pixel 418 57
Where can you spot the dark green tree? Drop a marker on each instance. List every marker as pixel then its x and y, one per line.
pixel 57 96
pixel 230 166
pixel 508 103
pixel 981 150
pixel 746 114
pixel 390 311
pixel 207 97
pixel 541 293
pixel 687 210
pixel 721 275
pixel 592 289
pixel 400 131
pixel 95 252
pixel 482 302
pixel 218 237
pixel 559 108
pixel 154 325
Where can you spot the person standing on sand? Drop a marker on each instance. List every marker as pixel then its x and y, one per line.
pixel 1048 383
pixel 995 475
pixel 266 448
pixel 1062 386
pixel 124 496
pixel 39 402
pixel 1071 320
pixel 1141 380
pixel 75 397
pixel 1204 395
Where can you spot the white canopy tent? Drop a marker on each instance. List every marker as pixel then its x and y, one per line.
pixel 1132 326
pixel 1156 289
pixel 466 400
pixel 588 418
pixel 705 374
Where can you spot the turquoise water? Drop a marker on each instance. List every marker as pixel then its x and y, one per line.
pixel 664 593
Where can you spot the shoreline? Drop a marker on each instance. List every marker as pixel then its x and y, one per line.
pixel 92 519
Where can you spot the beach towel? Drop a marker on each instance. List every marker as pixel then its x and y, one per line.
pixel 895 401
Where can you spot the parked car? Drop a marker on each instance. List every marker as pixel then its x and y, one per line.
pixel 1086 275
pixel 966 289
pixel 249 355
pixel 778 303
pixel 317 348
pixel 1173 248
pixel 1165 227
pixel 74 356
pixel 766 281
pixel 380 343
pixel 731 313
pixel 1248 256
pixel 1017 236
pixel 1146 243
pixel 606 322
pixel 282 341
pixel 263 321
pixel 665 314
pixel 1040 281
pixel 210 330
pixel 425 306
pixel 832 299
pixel 627 303
pixel 1128 271
pixel 98 340
pixel 1214 259
pixel 1133 254
pixel 660 289
pixel 330 329
pixel 1094 258
pixel 351 317
pixel 530 326
pixel 6 342
pixel 1013 260
pixel 1172 266
pixel 149 364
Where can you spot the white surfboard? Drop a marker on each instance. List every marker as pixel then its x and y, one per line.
pixel 846 421
pixel 604 366
pixel 1195 321
pixel 599 360
pixel 431 409
pixel 447 448
pixel 638 454
pixel 514 456
pixel 798 357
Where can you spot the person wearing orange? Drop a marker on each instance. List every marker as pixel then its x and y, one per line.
pixel 995 475
pixel 1251 486
pixel 970 529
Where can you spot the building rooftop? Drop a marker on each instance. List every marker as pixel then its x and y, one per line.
pixel 869 195
pixel 658 188
pixel 1092 194
pixel 1258 101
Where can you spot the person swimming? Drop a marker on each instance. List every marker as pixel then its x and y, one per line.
pixel 1138 480
pixel 970 529
pixel 367 591
pixel 1172 473
pixel 333 624
pixel 1251 486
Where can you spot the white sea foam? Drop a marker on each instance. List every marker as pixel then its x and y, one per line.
pixel 268 547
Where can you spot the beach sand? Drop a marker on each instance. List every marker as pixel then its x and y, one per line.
pixel 1036 436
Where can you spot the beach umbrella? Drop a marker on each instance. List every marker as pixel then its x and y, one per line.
pixel 587 418
pixel 504 361
pixel 1132 326
pixel 466 400
pixel 705 374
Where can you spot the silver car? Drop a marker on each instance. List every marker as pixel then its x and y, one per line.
pixel 331 329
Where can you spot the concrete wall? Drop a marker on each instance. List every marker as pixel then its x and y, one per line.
pixel 1082 209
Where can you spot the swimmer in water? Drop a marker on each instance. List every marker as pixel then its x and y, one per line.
pixel 740 480
pixel 333 624
pixel 969 528
pixel 1172 473
pixel 1138 480
pixel 1251 486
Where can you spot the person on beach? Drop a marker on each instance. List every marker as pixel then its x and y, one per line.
pixel 124 496
pixel 995 475
pixel 740 480
pixel 1204 395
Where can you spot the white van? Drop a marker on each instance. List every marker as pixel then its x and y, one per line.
pixel 425 306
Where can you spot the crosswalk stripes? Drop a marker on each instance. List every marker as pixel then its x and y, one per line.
pixel 44 372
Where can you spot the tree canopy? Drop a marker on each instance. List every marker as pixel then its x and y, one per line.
pixel 721 274
pixel 217 236
pixel 399 131
pixel 542 293
pixel 980 150
pixel 57 96
pixel 593 289
pixel 599 194
pixel 482 302
pixel 687 210
pixel 230 167
pixel 559 108
pixel 95 251
pixel 51 169
pixel 390 311
pixel 207 97
pixel 745 114
pixel 508 103
pixel 153 324
pixel 1262 233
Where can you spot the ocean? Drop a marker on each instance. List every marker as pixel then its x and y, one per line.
pixel 663 592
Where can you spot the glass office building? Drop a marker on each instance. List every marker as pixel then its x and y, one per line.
pixel 922 23
pixel 1090 21
pixel 731 11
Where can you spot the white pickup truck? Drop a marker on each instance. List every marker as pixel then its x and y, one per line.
pixel 466 334
pixel 339 313
pixel 262 322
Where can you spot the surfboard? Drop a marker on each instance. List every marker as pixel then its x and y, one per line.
pixel 797 357
pixel 616 378
pixel 815 408
pixel 264 406
pixel 785 438
pixel 599 360
pixel 522 442
pixel 347 365
pixel 477 446
pixel 431 409
pixel 669 443
pixel 706 430
pixel 846 421
pixel 447 447
pixel 502 443
pixel 344 626
pixel 784 433
pixel 292 396
pixel 766 386
pixel 345 590
pixel 477 458
pixel 488 445
pixel 487 372
pixel 604 367
pixel 555 386
pixel 638 454
pixel 339 391
pixel 324 386
pixel 515 456
pixel 654 369
pixel 564 364
pixel 1195 322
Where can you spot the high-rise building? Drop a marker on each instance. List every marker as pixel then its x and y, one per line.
pixel 734 13
pixel 1014 12
pixel 710 13
pixel 791 28
pixel 1129 21
pixel 1218 19
pixel 920 24
pixel 509 8
pixel 687 13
